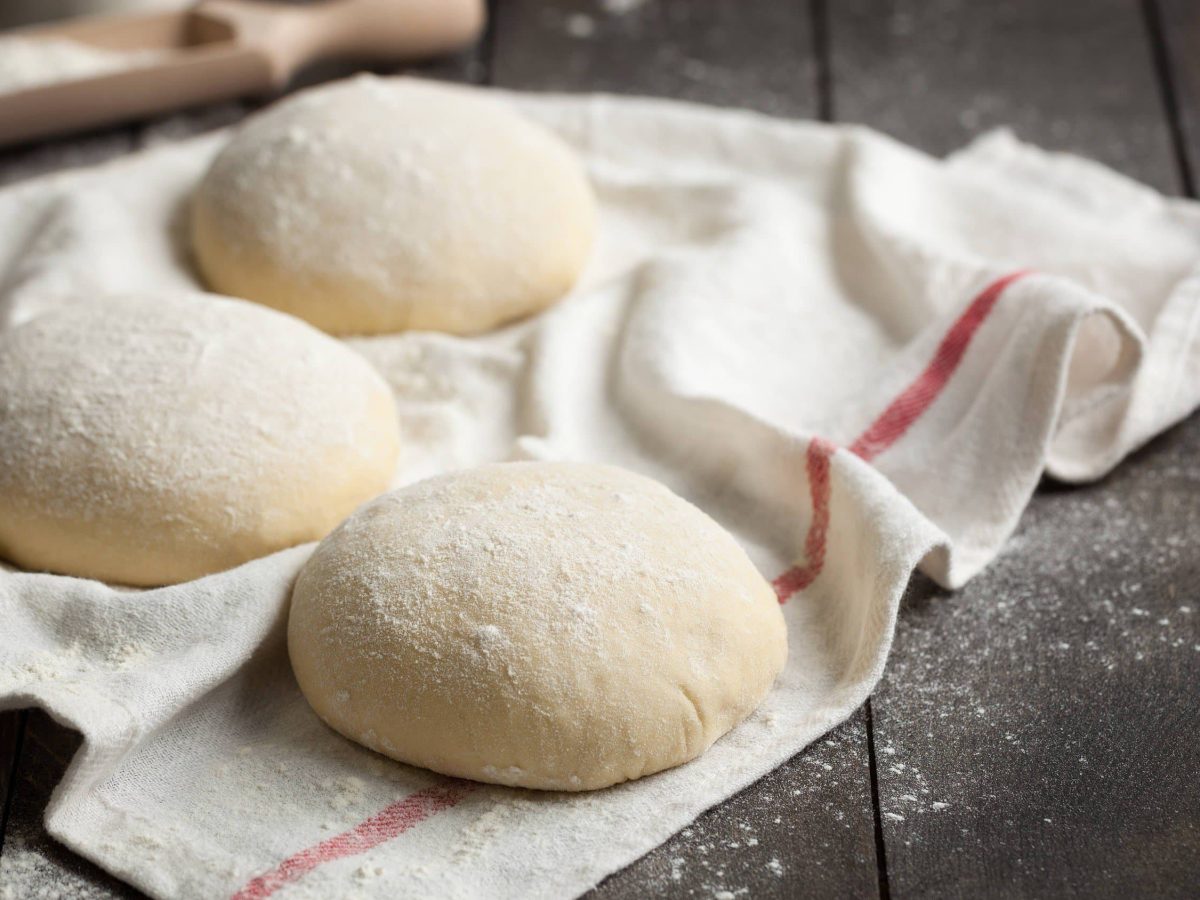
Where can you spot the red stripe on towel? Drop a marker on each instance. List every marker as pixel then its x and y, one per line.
pixel 919 396
pixel 386 824
pixel 888 428
pixel 798 578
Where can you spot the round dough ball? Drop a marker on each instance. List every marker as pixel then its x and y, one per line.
pixel 151 439
pixel 377 205
pixel 548 625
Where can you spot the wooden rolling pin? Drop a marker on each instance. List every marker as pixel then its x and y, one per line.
pixel 222 49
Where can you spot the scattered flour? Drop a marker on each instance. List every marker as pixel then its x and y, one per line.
pixel 621 7
pixel 584 26
pixel 29 62
pixel 580 25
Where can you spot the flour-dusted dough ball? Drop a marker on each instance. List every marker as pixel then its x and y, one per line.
pixel 150 439
pixel 377 205
pixel 548 625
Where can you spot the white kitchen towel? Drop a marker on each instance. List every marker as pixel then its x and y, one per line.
pixel 857 358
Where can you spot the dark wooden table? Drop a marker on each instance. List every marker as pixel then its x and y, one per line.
pixel 1035 734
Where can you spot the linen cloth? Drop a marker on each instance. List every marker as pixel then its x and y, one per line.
pixel 857 358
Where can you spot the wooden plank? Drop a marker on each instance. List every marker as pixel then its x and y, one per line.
pixel 1072 74
pixel 1034 729
pixel 801 831
pixel 1028 727
pixel 806 829
pixel 1178 25
pixel 12 729
pixel 720 51
pixel 32 864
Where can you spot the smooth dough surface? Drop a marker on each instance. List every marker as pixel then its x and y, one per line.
pixel 377 205
pixel 549 625
pixel 151 439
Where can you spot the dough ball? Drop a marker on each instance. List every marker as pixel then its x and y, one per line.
pixel 151 439
pixel 377 205
pixel 548 625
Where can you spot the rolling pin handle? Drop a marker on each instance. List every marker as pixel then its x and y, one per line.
pixel 294 36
